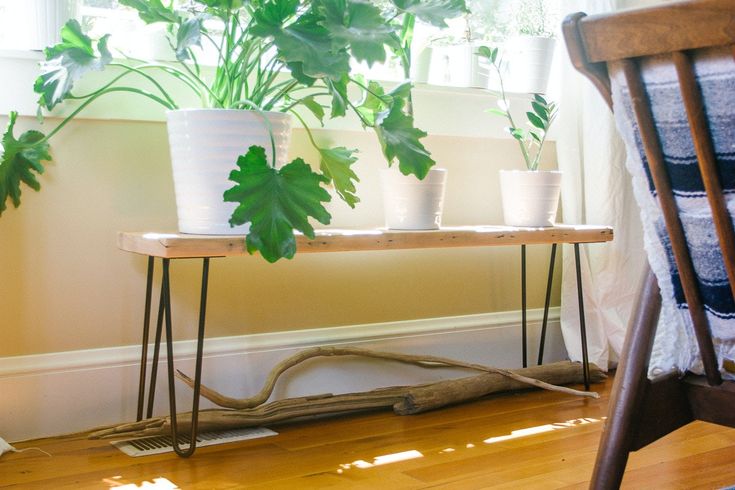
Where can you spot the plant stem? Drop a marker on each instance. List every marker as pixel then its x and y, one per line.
pixel 524 151
pixel 96 96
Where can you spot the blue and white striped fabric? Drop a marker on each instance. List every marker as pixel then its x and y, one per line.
pixel 715 70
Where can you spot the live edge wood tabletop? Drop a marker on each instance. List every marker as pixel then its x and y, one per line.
pixel 175 245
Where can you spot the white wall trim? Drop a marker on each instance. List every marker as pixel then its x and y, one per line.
pixel 240 344
pixel 97 387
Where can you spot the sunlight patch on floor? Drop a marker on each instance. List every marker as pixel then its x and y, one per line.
pixel 159 483
pixel 540 429
pixel 381 460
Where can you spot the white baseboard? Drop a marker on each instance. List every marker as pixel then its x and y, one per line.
pixel 58 393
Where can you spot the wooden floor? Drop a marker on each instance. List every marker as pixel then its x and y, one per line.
pixel 529 440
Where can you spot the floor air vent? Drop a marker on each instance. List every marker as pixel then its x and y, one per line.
pixel 145 446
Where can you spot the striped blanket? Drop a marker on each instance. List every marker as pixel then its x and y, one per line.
pixel 675 346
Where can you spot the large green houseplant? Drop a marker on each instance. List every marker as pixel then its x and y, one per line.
pixel 273 55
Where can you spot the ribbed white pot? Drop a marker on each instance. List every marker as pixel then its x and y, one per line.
pixel 205 145
pixel 530 198
pixel 410 203
pixel 528 63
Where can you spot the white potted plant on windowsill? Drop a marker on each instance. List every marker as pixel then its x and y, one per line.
pixel 276 59
pixel 530 197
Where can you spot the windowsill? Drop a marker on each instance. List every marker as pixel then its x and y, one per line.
pixel 439 110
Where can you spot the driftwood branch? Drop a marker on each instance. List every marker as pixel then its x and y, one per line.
pixel 419 360
pixel 404 400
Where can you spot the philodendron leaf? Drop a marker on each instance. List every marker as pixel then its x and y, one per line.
pixel 338 90
pixel 336 166
pixel 433 11
pixel 67 62
pixel 300 38
pixel 188 35
pixel 359 25
pixel 314 107
pixel 151 11
pixel 375 102
pixel 399 139
pixel 276 202
pixel 20 158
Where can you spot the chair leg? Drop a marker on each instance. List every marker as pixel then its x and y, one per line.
pixel 628 389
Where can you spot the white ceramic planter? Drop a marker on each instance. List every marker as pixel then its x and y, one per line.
pixel 410 203
pixel 458 66
pixel 205 144
pixel 528 62
pixel 530 198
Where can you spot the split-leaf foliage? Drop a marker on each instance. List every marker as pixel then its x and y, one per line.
pixel 273 55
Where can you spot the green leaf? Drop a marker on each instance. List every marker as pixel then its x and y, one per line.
pixel 224 4
pixel 433 11
pixel 374 103
pixel 314 107
pixel 399 139
pixel 275 202
pixel 535 120
pixel 151 11
pixel 497 112
pixel 538 98
pixel 360 26
pixel 535 136
pixel 336 166
pixel 19 159
pixel 540 110
pixel 338 89
pixel 517 133
pixel 188 35
pixel 67 62
pixel 303 40
pixel 486 52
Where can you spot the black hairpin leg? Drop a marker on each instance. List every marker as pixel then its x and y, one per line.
pixel 524 333
pixel 582 327
pixel 146 328
pixel 547 303
pixel 166 289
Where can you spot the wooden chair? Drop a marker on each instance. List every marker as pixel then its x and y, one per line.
pixel 616 47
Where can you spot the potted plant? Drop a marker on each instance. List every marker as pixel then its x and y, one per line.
pixel 530 197
pixel 529 47
pixel 412 201
pixel 276 58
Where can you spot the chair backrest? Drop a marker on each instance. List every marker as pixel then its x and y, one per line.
pixel 679 93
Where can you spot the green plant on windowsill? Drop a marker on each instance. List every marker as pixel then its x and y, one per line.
pixel 272 55
pixel 540 117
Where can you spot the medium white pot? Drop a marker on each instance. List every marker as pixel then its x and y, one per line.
pixel 528 62
pixel 205 145
pixel 530 198
pixel 410 203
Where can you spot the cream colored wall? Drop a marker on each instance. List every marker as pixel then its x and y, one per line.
pixel 66 287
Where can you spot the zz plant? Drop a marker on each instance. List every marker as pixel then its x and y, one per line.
pixel 272 55
pixel 542 114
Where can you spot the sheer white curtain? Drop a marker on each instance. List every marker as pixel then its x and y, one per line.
pixel 596 190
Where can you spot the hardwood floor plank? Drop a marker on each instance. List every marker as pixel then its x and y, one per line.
pixel 531 440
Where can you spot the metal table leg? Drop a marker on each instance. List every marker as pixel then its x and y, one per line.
pixel 166 288
pixel 524 332
pixel 146 328
pixel 547 303
pixel 582 327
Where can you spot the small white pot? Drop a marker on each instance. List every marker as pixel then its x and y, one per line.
pixel 205 145
pixel 458 66
pixel 530 198
pixel 410 203
pixel 527 63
